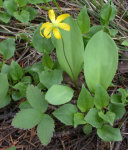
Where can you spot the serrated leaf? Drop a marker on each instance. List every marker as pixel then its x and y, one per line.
pixel 83 20
pixel 109 134
pixel 41 44
pixel 59 94
pixel 21 3
pixel 16 72
pixel 7 48
pixel 6 100
pixel 26 118
pixel 85 100
pixel 125 43
pixel 32 11
pixel 4 85
pixel 108 117
pixel 36 98
pixel 45 129
pixel 10 6
pixel 49 78
pixel 25 105
pixel 78 119
pixel 93 118
pixel 119 110
pixel 23 16
pixel 101 98
pixel 101 68
pixel 4 17
pixel 66 113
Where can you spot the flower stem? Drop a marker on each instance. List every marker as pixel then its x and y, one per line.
pixel 75 82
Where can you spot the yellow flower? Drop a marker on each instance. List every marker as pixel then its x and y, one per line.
pixel 54 25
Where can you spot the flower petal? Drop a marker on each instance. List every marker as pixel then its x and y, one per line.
pixel 62 17
pixel 64 26
pixel 51 15
pixel 47 31
pixel 44 25
pixel 56 33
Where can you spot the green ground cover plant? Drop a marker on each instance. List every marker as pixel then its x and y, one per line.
pixel 79 47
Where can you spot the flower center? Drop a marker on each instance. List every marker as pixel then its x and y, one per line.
pixel 55 23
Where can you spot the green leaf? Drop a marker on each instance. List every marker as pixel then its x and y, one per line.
pixel 36 98
pixel 116 99
pixel 38 1
pixel 93 118
pixel 27 119
pixel 16 72
pixel 23 16
pixel 16 95
pixel 66 113
pixel 45 129
pixel 125 43
pixel 108 117
pixel 78 119
pixel 119 110
pixel 21 3
pixel 108 13
pixel 109 134
pixel 101 98
pixel 85 100
pixel 47 61
pixel 49 78
pixel 11 148
pixel 124 95
pixel 10 6
pixel 4 17
pixel 25 105
pixel 70 49
pixel 1 3
pixel 4 85
pixel 41 44
pixel 87 129
pixel 83 20
pixel 6 100
pixel 101 68
pixel 32 12
pixel 59 94
pixel 7 48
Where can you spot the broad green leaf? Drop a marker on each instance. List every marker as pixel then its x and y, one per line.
pixel 16 95
pixel 93 118
pixel 124 95
pixel 66 113
pixel 7 48
pixel 59 94
pixel 16 72
pixel 4 17
pixel 41 44
pixel 47 61
pixel 1 3
pixel 27 118
pixel 49 78
pixel 45 129
pixel 6 100
pixel 23 16
pixel 70 49
pixel 38 1
pixel 78 119
pixel 83 20
pixel 87 129
pixel 119 110
pixel 108 117
pixel 21 3
pixel 101 98
pixel 10 6
pixel 26 80
pixel 85 100
pixel 100 61
pixel 109 134
pixel 36 98
pixel 4 85
pixel 116 99
pixel 32 12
